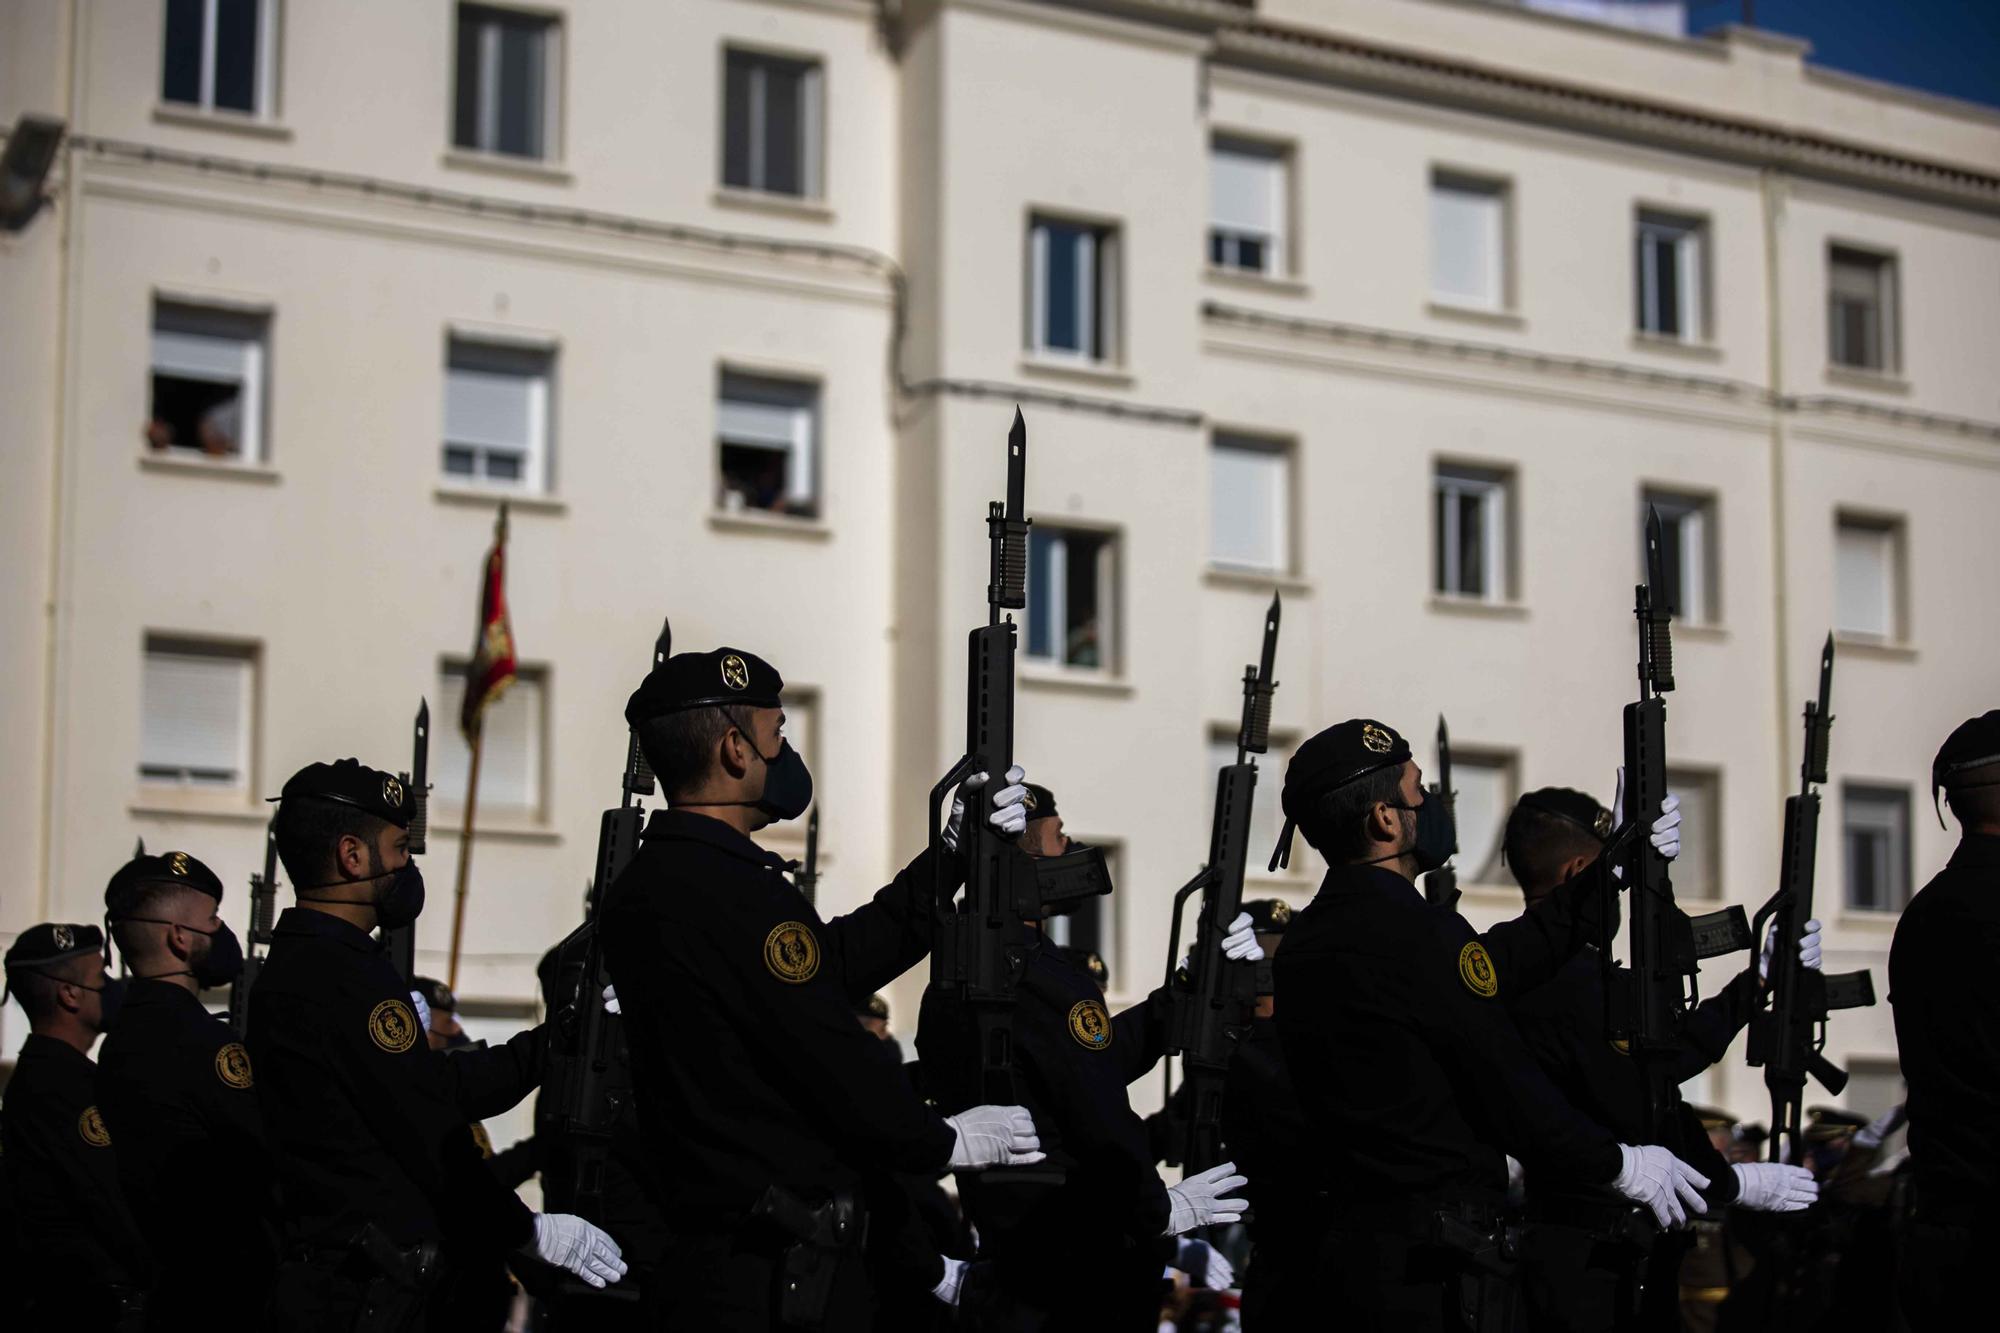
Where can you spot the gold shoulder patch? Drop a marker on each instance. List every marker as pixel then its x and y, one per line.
pixel 393 1027
pixel 1475 969
pixel 1090 1025
pixel 232 1065
pixel 791 952
pixel 481 1139
pixel 90 1127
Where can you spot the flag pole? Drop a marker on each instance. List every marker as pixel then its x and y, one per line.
pixel 490 671
pixel 464 854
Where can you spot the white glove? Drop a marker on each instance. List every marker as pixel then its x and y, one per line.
pixel 1204 1265
pixel 1882 1127
pixel 423 1011
pixel 1808 949
pixel 567 1241
pixel 1010 811
pixel 1774 1187
pixel 1198 1202
pixel 1663 1182
pixel 994 1136
pixel 1666 837
pixel 611 1000
pixel 954 1278
pixel 1240 943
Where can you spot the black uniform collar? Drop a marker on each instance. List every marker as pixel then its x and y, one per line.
pixel 43 1047
pixel 148 991
pixel 305 922
pixel 687 826
pixel 1367 879
pixel 1976 851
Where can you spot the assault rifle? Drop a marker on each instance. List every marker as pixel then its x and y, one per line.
pixel 1788 1031
pixel 263 913
pixel 1213 1003
pixel 402 942
pixel 587 1078
pixel 1441 885
pixel 805 878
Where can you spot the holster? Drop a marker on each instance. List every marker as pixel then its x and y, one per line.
pixel 395 1279
pixel 1489 1256
pixel 812 1241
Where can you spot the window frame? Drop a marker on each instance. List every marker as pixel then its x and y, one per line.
pixel 812 121
pixel 1855 792
pixel 551 23
pixel 1886 267
pixel 1688 233
pixel 1285 539
pixel 254 392
pixel 1279 260
pixel 247 657
pixel 264 78
pixel 1111 922
pixel 1280 746
pixel 1494 485
pixel 1679 778
pixel 1100 288
pixel 1893 531
pixel 1109 610
pixel 1452 180
pixel 1681 506
pixel 804 457
pixel 538 450
pixel 540 763
pixel 1488 873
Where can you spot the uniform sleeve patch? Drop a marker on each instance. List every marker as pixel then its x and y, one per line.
pixel 1090 1025
pixel 90 1128
pixel 1475 969
pixel 393 1027
pixel 791 953
pixel 232 1065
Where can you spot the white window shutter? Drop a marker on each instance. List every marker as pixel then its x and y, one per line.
pixel 490 408
pixel 1466 243
pixel 195 712
pixel 1245 190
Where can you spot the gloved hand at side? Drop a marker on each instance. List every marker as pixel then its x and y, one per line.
pixel 1198 1201
pixel 1204 1265
pixel 953 1281
pixel 994 1136
pixel 1774 1187
pixel 611 1000
pixel 1663 1182
pixel 567 1241
pixel 1010 811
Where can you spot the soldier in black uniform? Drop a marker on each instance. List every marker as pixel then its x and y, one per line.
pixel 1393 1016
pixel 386 1198
pixel 74 1257
pixel 176 1088
pixel 1948 1032
pixel 779 1120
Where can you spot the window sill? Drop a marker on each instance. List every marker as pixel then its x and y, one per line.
pixel 1255 580
pixel 1248 280
pixel 1860 918
pixel 449 823
pixel 196 465
pixel 233 122
pixel 782 205
pixel 1475 314
pixel 1077 681
pixel 1882 650
pixel 217 807
pixel 503 164
pixel 480 497
pixel 1473 606
pixel 1103 373
pixel 771 525
pixel 1693 349
pixel 1874 381
pixel 1703 633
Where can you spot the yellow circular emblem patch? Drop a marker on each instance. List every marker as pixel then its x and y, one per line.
pixel 90 1126
pixel 393 1027
pixel 232 1065
pixel 1090 1025
pixel 1475 969
pixel 791 952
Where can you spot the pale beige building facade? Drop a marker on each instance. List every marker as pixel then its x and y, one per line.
pixel 1404 309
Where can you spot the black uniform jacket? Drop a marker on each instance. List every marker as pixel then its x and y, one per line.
pixel 1394 1020
pixel 66 1220
pixel 738 1004
pixel 366 1123
pixel 1265 1133
pixel 177 1091
pixel 1948 1032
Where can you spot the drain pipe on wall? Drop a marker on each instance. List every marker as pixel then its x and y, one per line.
pixel 1772 187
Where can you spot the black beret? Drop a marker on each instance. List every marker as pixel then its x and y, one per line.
pixel 52 942
pixel 873 1007
pixel 175 868
pixel 436 994
pixel 1711 1117
pixel 1579 808
pixel 1974 744
pixel 1335 757
pixel 1041 802
pixel 705 680
pixel 351 782
pixel 1269 916
pixel 1826 1123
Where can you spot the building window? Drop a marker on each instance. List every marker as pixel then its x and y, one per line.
pixel 1073 289
pixel 1247 207
pixel 512 744
pixel 1867 559
pixel 1687 549
pixel 220 54
pixel 1861 309
pixel 1071 594
pixel 771 109
pixel 196 708
pixel 1672 276
pixel 766 431
pixel 208 381
pixel 1250 504
pixel 507 82
pixel 1697 871
pixel 1875 822
pixel 496 415
pixel 1471 547
pixel 1469 241
pixel 1265 816
pixel 1486 787
pixel 1874 1085
pixel 1092 925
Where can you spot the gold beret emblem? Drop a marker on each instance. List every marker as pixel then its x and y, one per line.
pixel 1375 739
pixel 1602 824
pixel 232 1065
pixel 65 938
pixel 791 953
pixel 392 792
pixel 1090 1025
pixel 735 674
pixel 1281 912
pixel 90 1128
pixel 177 864
pixel 1475 969
pixel 393 1027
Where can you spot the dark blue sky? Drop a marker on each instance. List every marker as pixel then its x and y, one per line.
pixel 1940 46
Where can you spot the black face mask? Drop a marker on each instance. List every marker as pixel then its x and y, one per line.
pixel 1437 834
pixel 110 998
pixel 395 907
pixel 788 783
pixel 219 965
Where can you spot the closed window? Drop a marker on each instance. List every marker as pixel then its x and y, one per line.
pixel 1250 503
pixel 1485 788
pixel 219 55
pixel 1867 554
pixel 766 431
pixel 1073 287
pixel 1875 826
pixel 1092 926
pixel 508 72
pixel 512 744
pixel 802 727
pixel 197 702
pixel 1247 207
pixel 1672 276
pixel 1686 549
pixel 1071 595
pixel 771 108
pixel 496 416
pixel 1471 533
pixel 1697 871
pixel 1469 241
pixel 1861 309
pixel 208 382
pixel 1266 818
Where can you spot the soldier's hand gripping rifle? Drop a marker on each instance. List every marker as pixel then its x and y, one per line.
pixel 1788 1030
pixel 587 1077
pixel 263 915
pixel 1441 885
pixel 402 941
pixel 1213 1003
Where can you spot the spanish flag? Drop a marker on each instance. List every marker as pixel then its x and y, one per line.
pixel 492 669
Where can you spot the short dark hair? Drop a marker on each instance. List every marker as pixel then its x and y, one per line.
pixel 681 746
pixel 151 899
pixel 34 988
pixel 1978 801
pixel 1538 843
pixel 309 831
pixel 1335 824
